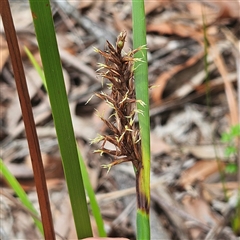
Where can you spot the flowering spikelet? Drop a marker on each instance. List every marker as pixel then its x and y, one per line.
pixel 124 135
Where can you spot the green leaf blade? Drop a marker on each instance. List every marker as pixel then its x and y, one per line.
pixel 12 181
pixel 45 32
pixel 141 86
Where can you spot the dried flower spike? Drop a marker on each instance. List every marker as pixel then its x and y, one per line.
pixel 124 135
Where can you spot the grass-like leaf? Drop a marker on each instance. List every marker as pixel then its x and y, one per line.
pixel 14 184
pixel 86 180
pixel 141 86
pixel 93 201
pixel 43 22
pixel 36 66
pixel 28 120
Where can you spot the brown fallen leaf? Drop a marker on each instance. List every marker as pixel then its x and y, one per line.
pixel 199 172
pixel 229 88
pixel 205 151
pixel 228 9
pixel 197 9
pixel 213 191
pixel 153 5
pixel 199 209
pixel 158 146
pixel 162 80
pixel 174 28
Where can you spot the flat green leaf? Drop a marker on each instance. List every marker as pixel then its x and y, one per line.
pixel 142 95
pixel 36 66
pixel 86 179
pixel 44 28
pixel 13 183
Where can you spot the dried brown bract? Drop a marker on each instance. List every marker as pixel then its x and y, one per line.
pixel 124 135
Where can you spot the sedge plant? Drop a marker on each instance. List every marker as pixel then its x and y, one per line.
pixel 128 77
pixel 141 83
pixel 129 85
pixel 44 28
pixel 28 120
pixel 86 180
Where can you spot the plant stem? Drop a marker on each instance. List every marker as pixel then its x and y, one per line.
pixel 141 86
pixel 28 120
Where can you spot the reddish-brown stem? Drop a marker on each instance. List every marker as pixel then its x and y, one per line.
pixel 27 114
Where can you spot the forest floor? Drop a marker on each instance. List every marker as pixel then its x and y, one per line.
pixel 194 181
